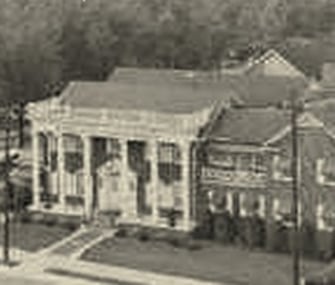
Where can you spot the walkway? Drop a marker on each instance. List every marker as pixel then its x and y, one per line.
pixel 77 243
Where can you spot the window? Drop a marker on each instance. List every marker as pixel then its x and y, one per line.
pixel 245 162
pixel 168 153
pixel 282 210
pixel 325 171
pixel 282 168
pixel 113 148
pixel 326 215
pixel 259 164
pixel 226 161
pixel 252 203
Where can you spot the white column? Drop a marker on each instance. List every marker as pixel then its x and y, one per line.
pixel 61 170
pixel 243 211
pixel 185 163
pixel 275 209
pixel 229 196
pixel 153 145
pixel 261 210
pixel 124 176
pixel 36 172
pixel 88 191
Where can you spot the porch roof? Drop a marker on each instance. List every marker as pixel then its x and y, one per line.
pixel 177 98
pixel 250 125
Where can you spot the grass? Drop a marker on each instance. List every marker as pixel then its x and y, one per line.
pixel 87 277
pixel 213 262
pixel 33 236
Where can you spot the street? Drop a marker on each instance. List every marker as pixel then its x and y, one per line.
pixel 11 280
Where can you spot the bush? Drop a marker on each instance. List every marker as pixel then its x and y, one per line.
pixel 50 220
pixel 25 217
pixel 121 233
pixel 68 223
pixel 143 235
pixel 37 218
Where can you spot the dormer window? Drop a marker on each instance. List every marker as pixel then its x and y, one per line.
pixel 282 168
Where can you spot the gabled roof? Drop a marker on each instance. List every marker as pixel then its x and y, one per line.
pixel 250 125
pixel 275 55
pixel 180 98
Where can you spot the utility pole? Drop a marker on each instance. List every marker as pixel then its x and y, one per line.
pixel 7 192
pixel 295 190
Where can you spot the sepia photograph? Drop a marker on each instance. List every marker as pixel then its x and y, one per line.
pixel 167 142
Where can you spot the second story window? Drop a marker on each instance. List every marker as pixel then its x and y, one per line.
pixel 225 161
pixel 258 164
pixel 282 168
pixel 325 171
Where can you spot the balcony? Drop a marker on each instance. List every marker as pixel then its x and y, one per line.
pixel 246 179
pixel 48 197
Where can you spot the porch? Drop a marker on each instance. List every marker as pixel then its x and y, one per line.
pixel 145 182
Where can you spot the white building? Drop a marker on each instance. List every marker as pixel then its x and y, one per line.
pixel 121 148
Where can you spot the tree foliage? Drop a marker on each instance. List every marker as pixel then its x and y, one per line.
pixel 44 43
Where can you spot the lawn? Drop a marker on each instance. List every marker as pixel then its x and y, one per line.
pixel 34 236
pixel 213 262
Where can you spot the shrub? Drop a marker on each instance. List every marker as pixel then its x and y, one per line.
pixel 193 245
pixel 143 235
pixel 37 217
pixel 50 220
pixel 174 241
pixel 68 223
pixel 25 217
pixel 121 233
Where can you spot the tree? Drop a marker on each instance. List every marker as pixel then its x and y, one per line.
pixel 29 53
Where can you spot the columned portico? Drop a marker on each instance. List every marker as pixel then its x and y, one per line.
pixel 134 160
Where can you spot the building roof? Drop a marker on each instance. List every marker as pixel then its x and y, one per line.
pixel 269 54
pixel 250 125
pixel 324 110
pixel 250 90
pixel 155 75
pixel 263 91
pixel 184 97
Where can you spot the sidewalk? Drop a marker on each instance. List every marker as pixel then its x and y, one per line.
pixel 114 274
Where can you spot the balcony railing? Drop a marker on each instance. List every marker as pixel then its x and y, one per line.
pixel 48 197
pixel 233 178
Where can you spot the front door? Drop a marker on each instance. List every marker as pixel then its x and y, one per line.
pixel 109 192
